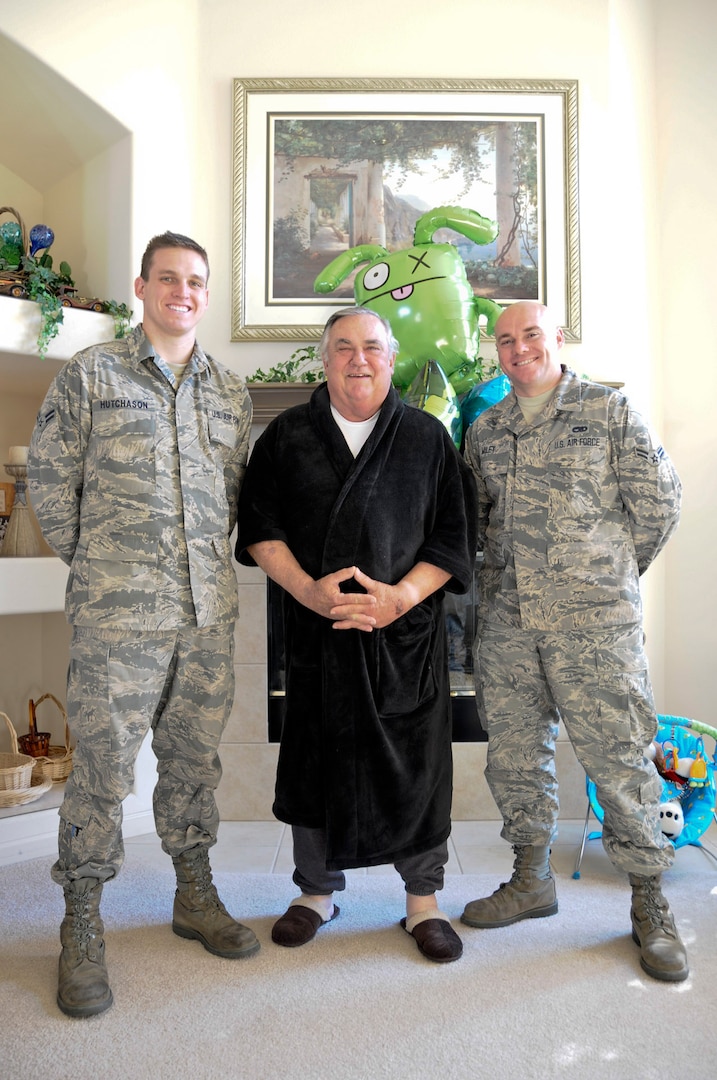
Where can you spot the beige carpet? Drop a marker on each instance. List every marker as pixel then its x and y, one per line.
pixel 554 998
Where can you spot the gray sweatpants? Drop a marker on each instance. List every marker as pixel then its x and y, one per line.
pixel 120 683
pixel 422 874
pixel 598 683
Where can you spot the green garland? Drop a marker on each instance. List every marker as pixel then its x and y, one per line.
pixel 303 366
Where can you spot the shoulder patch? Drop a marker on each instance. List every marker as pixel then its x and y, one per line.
pixel 43 419
pixel 652 457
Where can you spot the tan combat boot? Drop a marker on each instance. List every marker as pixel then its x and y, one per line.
pixel 199 913
pixel 530 893
pixel 83 986
pixel 662 954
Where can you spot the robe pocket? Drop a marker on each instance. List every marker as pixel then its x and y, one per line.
pixel 405 677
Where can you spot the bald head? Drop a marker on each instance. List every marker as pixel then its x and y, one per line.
pixel 528 341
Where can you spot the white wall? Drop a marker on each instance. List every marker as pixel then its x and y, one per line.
pixel 647 154
pixel 686 237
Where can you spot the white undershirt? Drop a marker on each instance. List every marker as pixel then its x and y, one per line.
pixel 178 370
pixel 356 432
pixel 531 406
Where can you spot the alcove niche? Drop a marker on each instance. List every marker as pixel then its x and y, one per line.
pixel 64 162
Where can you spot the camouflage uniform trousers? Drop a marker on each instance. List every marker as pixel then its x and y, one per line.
pixel 121 683
pixel 597 682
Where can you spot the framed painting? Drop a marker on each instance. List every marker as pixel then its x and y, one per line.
pixel 323 166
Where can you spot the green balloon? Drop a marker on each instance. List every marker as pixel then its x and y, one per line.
pixel 424 294
pixel 432 392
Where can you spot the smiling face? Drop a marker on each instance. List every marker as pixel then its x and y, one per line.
pixel 358 364
pixel 528 343
pixel 175 294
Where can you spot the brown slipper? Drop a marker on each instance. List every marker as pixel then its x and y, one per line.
pixel 298 925
pixel 436 939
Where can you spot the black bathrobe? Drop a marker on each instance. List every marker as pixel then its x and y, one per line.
pixel 366 745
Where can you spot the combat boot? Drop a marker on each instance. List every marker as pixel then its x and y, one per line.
pixel 530 893
pixel 199 913
pixel 83 986
pixel 662 954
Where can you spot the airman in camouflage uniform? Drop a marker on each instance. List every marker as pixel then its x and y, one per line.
pixel 575 501
pixel 135 467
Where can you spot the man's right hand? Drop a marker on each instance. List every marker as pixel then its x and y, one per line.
pixel 350 611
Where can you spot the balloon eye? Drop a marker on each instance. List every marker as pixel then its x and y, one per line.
pixel 376 276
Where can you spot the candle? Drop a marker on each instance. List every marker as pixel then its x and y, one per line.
pixel 18 455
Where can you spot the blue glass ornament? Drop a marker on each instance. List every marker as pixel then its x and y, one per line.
pixel 41 238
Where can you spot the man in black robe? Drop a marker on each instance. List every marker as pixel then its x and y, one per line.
pixel 360 507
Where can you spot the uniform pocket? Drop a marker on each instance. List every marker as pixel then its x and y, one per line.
pixel 121 454
pixel 598 573
pixel 575 499
pixel 120 580
pixel 626 711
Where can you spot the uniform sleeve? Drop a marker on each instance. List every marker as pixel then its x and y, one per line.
pixel 649 486
pixel 482 503
pixel 56 461
pixel 235 470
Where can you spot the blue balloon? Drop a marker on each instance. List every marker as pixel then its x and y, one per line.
pixel 481 396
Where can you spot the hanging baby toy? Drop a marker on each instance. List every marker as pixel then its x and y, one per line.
pixel 425 295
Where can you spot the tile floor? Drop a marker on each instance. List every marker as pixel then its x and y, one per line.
pixel 475 847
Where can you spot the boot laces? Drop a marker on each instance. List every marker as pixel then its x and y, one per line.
pixel 204 888
pixel 84 932
pixel 656 910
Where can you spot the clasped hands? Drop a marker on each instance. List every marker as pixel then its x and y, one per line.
pixel 379 606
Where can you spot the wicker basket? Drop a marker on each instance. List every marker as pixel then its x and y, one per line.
pixel 15 769
pixel 18 798
pixel 58 763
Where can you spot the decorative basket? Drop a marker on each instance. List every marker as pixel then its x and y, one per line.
pixel 15 769
pixel 58 763
pixel 19 798
pixel 35 743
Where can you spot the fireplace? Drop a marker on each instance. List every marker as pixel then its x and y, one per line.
pixel 460 615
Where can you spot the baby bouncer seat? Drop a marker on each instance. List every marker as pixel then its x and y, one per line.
pixel 687 805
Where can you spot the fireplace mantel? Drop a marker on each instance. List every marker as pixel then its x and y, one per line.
pixel 270 399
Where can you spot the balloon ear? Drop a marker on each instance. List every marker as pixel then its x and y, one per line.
pixel 469 223
pixel 340 267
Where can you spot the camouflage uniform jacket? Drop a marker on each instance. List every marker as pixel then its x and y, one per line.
pixel 572 509
pixel 135 485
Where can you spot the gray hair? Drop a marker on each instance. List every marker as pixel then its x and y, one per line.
pixel 343 313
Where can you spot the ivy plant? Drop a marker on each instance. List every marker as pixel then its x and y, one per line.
pixel 121 315
pixel 304 366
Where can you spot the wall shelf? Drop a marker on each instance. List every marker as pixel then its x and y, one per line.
pixel 32 586
pixel 22 368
